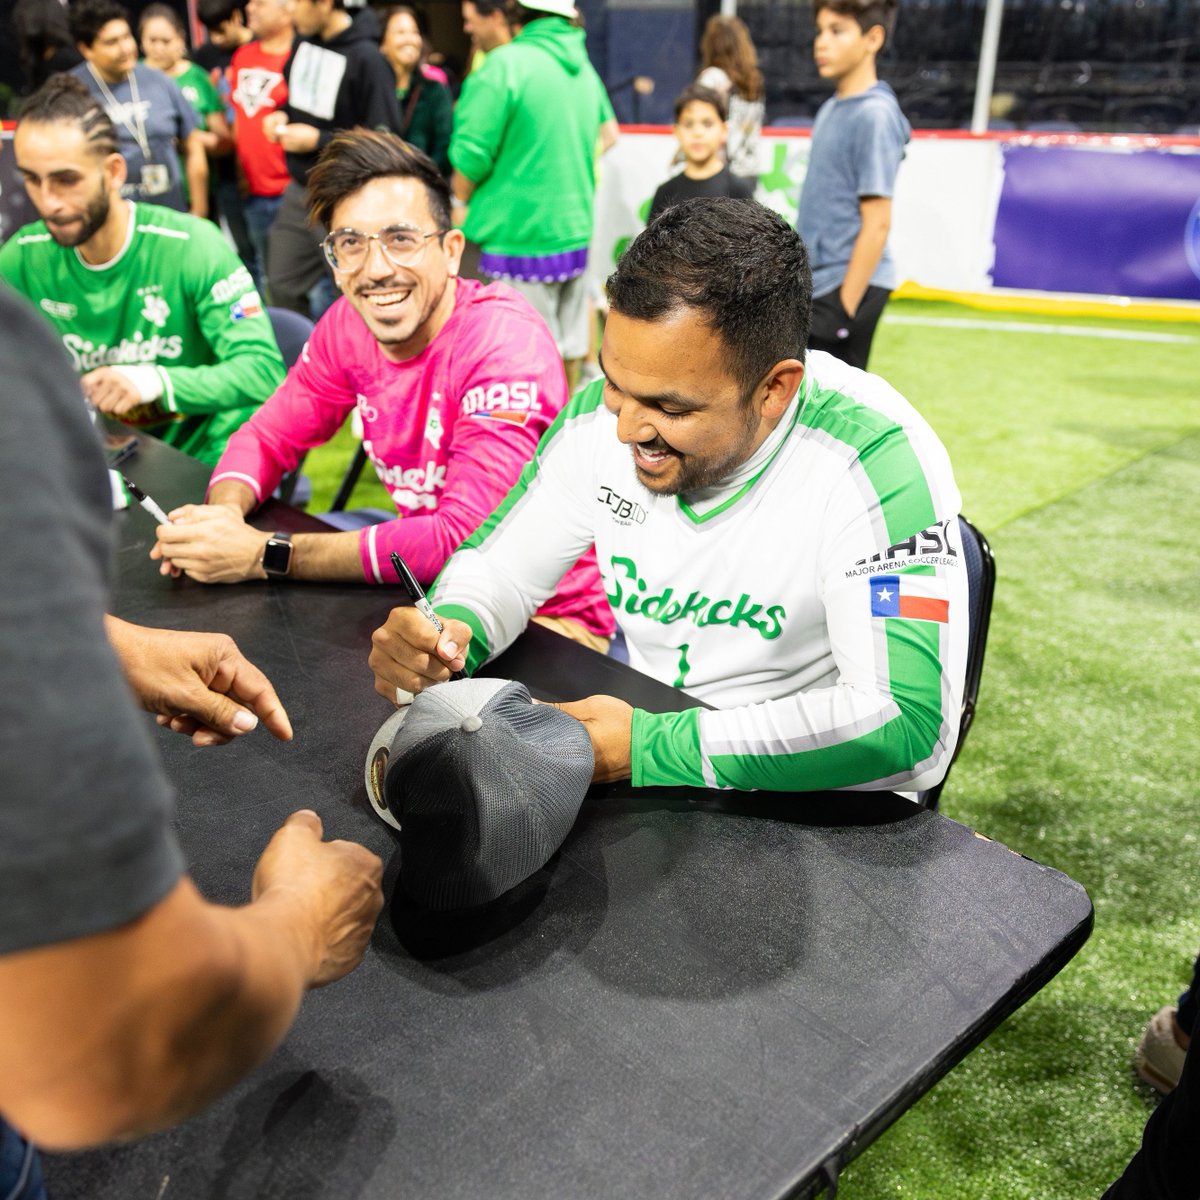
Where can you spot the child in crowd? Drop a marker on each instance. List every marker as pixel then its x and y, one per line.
pixel 702 131
pixel 729 65
pixel 845 212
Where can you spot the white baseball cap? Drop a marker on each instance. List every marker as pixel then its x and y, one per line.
pixel 556 8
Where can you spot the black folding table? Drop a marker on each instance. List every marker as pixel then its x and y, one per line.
pixel 702 995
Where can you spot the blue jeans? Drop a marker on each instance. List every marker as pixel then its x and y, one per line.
pixel 259 212
pixel 20 1170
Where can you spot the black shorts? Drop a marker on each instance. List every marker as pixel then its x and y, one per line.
pixel 848 338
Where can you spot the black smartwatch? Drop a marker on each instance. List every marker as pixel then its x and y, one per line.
pixel 277 555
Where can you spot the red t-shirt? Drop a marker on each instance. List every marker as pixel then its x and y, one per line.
pixel 258 87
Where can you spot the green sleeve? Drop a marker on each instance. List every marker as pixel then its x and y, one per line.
pixel 606 108
pixel 665 749
pixel 210 101
pixel 483 111
pixel 248 366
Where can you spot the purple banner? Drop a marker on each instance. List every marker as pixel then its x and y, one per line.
pixel 1112 223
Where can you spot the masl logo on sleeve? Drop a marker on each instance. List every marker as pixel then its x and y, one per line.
pixel 916 597
pixel 512 402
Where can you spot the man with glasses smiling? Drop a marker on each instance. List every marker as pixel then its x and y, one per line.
pixel 454 381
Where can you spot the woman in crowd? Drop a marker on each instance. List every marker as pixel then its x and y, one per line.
pixel 164 47
pixel 424 100
pixel 729 65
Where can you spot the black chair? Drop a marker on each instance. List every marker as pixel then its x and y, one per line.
pixel 292 330
pixel 981 584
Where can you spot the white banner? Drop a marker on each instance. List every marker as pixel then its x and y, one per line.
pixel 945 205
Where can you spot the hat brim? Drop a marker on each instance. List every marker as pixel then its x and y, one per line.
pixel 375 768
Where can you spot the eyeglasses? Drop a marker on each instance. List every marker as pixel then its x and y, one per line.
pixel 347 249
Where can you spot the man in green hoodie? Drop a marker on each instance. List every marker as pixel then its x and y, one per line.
pixel 524 157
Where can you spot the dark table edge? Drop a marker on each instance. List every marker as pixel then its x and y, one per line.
pixel 862 1137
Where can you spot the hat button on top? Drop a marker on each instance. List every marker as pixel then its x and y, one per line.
pixel 472 723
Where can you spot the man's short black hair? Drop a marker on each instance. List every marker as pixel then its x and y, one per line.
pixel 741 265
pixel 485 8
pixel 214 13
pixel 354 157
pixel 87 17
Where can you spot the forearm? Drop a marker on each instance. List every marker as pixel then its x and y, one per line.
pixel 233 494
pixel 166 1033
pixel 196 170
pixel 864 259
pixel 235 381
pixel 461 187
pixel 424 542
pixel 835 737
pixel 328 556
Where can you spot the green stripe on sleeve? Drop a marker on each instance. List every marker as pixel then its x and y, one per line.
pixel 665 749
pixel 885 455
pixel 587 401
pixel 478 649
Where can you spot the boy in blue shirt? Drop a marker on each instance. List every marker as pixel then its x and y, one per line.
pixel 845 212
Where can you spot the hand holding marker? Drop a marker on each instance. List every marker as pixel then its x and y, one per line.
pixel 417 595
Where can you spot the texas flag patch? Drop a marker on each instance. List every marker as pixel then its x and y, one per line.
pixel 917 597
pixel 248 306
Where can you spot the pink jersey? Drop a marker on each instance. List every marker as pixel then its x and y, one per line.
pixel 448 431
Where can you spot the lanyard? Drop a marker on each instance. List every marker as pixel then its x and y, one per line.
pixel 120 112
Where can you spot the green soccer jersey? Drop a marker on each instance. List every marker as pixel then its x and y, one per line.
pixel 176 298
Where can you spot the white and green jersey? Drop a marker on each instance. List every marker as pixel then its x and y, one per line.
pixel 817 598
pixel 177 298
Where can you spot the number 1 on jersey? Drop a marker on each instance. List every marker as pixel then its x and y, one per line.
pixel 684 665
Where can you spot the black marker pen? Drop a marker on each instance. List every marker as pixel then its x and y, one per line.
pixel 417 595
pixel 149 505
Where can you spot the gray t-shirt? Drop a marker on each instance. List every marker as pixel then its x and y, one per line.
pixel 85 811
pixel 147 130
pixel 857 145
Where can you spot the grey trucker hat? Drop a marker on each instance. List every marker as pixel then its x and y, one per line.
pixel 482 784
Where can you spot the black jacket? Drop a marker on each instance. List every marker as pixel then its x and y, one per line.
pixel 339 84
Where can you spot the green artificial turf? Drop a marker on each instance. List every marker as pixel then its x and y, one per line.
pixel 1079 458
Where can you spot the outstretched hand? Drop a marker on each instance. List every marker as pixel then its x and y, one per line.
pixel 199 684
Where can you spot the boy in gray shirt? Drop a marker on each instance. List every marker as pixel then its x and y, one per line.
pixel 845 212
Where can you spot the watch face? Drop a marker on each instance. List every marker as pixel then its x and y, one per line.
pixel 277 557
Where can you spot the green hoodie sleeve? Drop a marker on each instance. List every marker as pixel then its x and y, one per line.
pixel 480 120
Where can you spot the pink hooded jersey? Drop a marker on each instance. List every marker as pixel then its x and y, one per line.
pixel 447 431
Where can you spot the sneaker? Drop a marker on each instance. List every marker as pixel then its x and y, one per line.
pixel 1158 1058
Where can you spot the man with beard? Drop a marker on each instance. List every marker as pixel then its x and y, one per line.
pixel 159 317
pixel 454 382
pixel 780 543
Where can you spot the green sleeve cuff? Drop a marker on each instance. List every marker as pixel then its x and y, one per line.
pixel 665 749
pixel 478 651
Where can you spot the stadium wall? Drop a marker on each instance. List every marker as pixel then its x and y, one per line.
pixel 1088 215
